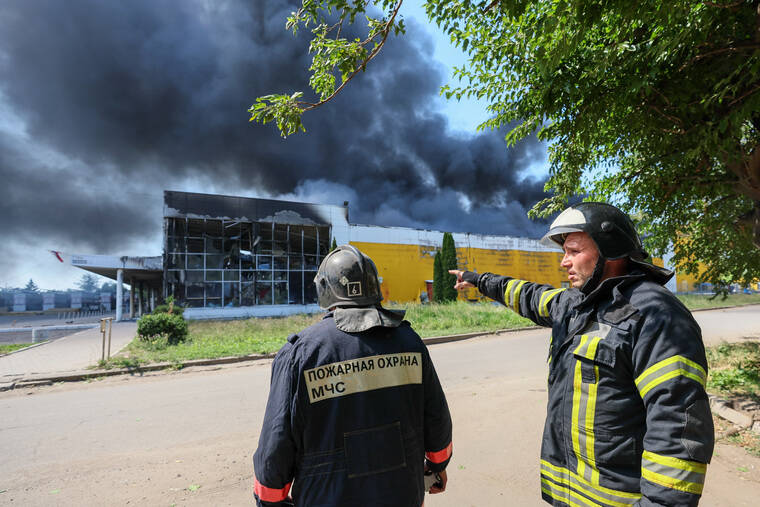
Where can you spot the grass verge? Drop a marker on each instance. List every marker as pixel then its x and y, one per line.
pixel 209 340
pixel 699 302
pixel 735 369
pixel 213 339
pixel 735 375
pixel 7 348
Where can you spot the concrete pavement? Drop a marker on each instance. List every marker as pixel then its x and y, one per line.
pixel 74 352
pixel 186 437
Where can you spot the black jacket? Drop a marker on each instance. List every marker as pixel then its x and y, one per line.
pixel 628 419
pixel 351 420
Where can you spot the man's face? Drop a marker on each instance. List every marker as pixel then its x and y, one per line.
pixel 580 258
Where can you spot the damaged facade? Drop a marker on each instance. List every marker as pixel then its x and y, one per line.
pixel 227 257
pixel 232 252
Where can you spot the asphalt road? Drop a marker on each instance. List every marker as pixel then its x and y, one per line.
pixel 186 438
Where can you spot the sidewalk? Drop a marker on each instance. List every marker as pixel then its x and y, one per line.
pixel 70 353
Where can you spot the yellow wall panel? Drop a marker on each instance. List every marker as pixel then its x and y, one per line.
pixel 404 268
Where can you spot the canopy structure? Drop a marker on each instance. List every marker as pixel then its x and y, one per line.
pixel 143 274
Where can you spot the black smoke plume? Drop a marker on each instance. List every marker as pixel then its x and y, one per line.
pixel 105 104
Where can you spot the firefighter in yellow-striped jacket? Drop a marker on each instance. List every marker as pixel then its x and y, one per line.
pixel 628 420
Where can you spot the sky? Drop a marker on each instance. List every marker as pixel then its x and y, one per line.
pixel 104 105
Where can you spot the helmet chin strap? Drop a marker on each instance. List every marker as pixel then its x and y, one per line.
pixel 596 277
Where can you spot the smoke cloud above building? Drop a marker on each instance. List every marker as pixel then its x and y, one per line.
pixel 103 105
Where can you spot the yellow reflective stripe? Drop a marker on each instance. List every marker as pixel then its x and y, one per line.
pixel 586 491
pixel 584 407
pixel 590 410
pixel 609 491
pixel 591 352
pixel 669 482
pixel 508 292
pixel 605 495
pixel 543 305
pixel 587 348
pixel 563 494
pixel 516 298
pixel 668 361
pixel 575 431
pixel 673 462
pixel 579 348
pixel 675 366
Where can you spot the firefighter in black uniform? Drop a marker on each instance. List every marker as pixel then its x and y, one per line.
pixel 356 414
pixel 628 420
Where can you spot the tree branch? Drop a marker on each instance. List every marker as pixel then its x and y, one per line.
pixel 742 97
pixel 724 6
pixel 491 6
pixel 385 31
pixel 748 47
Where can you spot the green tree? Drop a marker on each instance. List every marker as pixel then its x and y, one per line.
pixel 334 245
pixel 448 261
pixel 651 105
pixel 31 286
pixel 88 283
pixel 437 278
pixel 108 287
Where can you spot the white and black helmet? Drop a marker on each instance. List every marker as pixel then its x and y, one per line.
pixel 347 278
pixel 613 233
pixel 611 229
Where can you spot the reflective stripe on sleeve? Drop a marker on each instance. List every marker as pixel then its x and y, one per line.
pixel 508 292
pixel 440 456
pixel 673 473
pixel 516 297
pixel 555 479
pixel 675 366
pixel 512 294
pixel 543 302
pixel 270 494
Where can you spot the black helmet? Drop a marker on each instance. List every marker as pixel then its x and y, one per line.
pixel 611 229
pixel 347 277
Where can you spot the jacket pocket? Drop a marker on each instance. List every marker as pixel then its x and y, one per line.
pixel 612 449
pixel 322 463
pixel 374 450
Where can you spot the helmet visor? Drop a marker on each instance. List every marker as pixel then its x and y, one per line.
pixel 554 238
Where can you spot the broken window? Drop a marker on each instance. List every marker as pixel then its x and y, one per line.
pixel 226 263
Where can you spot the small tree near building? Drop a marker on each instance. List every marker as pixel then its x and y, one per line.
pixel 31 286
pixel 108 287
pixel 88 283
pixel 448 261
pixel 334 245
pixel 437 278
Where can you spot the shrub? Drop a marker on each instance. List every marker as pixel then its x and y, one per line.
pixel 159 325
pixel 174 310
pixel 169 307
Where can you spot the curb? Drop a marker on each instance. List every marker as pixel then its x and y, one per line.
pixel 33 381
pixel 40 380
pixel 723 307
pixel 724 409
